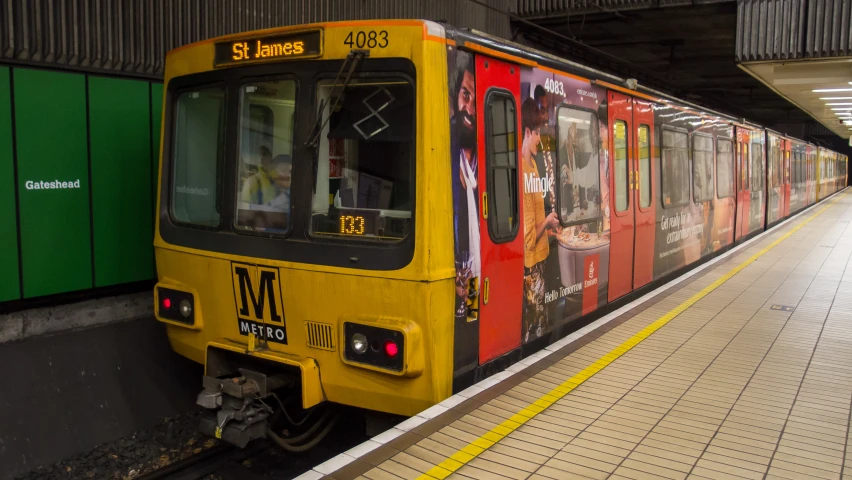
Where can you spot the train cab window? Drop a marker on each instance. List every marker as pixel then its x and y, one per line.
pixel 622 166
pixel 265 165
pixel 724 168
pixel 578 154
pixel 675 162
pixel 199 138
pixel 757 172
pixel 501 134
pixel 644 166
pixel 364 164
pixel 702 168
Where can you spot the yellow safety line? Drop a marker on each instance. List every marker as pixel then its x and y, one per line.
pixel 474 448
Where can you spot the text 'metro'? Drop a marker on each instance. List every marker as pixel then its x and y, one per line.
pixel 305 44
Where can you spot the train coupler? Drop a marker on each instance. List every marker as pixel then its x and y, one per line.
pixel 241 415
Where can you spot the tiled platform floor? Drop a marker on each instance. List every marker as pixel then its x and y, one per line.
pixel 729 387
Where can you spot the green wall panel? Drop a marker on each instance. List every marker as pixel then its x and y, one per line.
pixel 156 128
pixel 10 287
pixel 50 123
pixel 120 144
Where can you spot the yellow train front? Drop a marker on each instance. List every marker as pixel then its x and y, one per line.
pixel 296 249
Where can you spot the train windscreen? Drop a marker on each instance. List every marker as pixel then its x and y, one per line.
pixel 364 175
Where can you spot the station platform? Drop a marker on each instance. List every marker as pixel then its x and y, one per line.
pixel 739 369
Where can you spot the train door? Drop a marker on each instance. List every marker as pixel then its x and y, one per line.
pixel 622 203
pixel 502 250
pixel 645 215
pixel 820 171
pixel 809 175
pixel 743 178
pixel 785 186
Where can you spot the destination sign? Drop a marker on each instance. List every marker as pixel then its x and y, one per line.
pixel 269 49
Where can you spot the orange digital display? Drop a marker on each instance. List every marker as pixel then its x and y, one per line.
pixel 352 224
pixel 269 49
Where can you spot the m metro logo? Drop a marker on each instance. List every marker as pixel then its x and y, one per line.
pixel 257 293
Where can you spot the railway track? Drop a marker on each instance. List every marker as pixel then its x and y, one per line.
pixel 261 459
pixel 221 461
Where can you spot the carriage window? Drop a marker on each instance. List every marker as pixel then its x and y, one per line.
pixel 622 167
pixel 365 160
pixel 702 167
pixel 198 149
pixel 756 166
pixel 265 165
pixel 503 167
pixel 644 166
pixel 724 168
pixel 579 167
pixel 675 168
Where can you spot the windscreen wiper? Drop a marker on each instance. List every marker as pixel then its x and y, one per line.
pixel 353 59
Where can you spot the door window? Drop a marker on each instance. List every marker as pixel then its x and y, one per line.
pixel 622 185
pixel 644 166
pixel 502 158
pixel 756 166
pixel 724 168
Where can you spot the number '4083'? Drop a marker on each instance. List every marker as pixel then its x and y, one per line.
pixel 369 39
pixel 554 86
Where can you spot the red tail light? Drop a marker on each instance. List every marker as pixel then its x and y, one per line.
pixel 391 348
pixel 167 303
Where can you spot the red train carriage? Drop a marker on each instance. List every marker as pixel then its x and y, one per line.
pixel 586 191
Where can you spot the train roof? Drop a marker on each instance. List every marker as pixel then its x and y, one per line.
pixel 532 57
pixel 538 57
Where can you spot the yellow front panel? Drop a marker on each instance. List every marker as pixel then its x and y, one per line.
pixel 420 294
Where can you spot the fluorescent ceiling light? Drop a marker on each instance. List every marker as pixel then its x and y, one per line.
pixel 826 90
pixel 842 108
pixel 841 103
pixel 835 98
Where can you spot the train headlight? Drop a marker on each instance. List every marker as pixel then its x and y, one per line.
pixel 374 346
pixel 185 308
pixel 359 343
pixel 176 305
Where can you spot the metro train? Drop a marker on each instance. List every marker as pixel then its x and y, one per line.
pixel 379 214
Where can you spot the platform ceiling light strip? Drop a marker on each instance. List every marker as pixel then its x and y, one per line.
pixel 827 90
pixel 835 98
pixel 486 441
pixel 841 103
